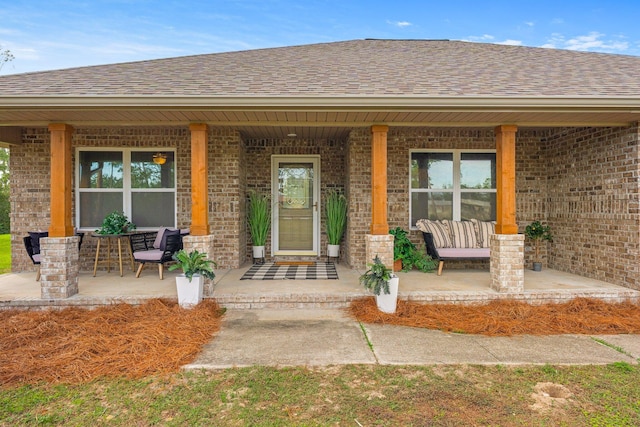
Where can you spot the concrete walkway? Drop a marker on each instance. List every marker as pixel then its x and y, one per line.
pixel 321 337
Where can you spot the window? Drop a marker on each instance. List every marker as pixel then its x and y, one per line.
pixel 125 180
pixel 455 185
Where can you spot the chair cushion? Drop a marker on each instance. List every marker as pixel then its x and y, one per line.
pixel 484 230
pixel 156 243
pixel 167 232
pixel 463 234
pixel 35 239
pixel 439 230
pixel 150 255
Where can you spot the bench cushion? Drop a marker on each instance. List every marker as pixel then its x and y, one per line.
pixel 464 252
pixel 439 230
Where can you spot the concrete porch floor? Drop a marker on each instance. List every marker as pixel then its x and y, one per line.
pixel 20 290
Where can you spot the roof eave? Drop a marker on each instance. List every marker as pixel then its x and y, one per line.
pixel 322 102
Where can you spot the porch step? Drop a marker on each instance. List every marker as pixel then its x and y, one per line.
pixel 343 300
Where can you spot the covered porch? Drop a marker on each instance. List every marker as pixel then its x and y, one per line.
pixel 462 286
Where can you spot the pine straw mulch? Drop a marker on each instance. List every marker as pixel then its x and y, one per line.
pixel 77 345
pixel 507 318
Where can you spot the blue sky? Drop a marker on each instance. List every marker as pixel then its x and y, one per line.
pixel 46 35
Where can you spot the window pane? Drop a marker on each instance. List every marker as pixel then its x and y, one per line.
pixel 431 206
pixel 145 173
pixel 432 170
pixel 94 207
pixel 481 206
pixel 153 209
pixel 100 169
pixel 478 170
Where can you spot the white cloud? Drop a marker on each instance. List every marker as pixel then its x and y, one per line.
pixel 594 41
pixel 529 24
pixel 400 24
pixel 510 42
pixel 482 38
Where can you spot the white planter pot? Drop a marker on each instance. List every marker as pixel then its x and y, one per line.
pixel 258 252
pixel 189 293
pixel 387 302
pixel 333 251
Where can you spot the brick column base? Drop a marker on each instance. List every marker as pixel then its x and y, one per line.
pixel 59 267
pixel 202 244
pixel 381 245
pixel 507 262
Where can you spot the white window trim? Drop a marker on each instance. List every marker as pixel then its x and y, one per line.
pixel 126 189
pixel 456 190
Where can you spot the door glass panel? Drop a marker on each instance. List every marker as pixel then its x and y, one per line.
pixel 295 206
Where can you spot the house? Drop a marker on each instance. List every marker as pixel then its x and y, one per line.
pixel 510 133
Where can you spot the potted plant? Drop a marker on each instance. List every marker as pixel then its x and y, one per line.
pixel 195 267
pixel 116 223
pixel 406 255
pixel 381 280
pixel 537 232
pixel 259 219
pixel 336 221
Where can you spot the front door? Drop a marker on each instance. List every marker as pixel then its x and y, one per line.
pixel 295 184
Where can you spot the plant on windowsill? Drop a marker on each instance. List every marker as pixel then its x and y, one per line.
pixel 336 221
pixel 407 255
pixel 536 232
pixel 381 280
pixel 116 223
pixel 259 219
pixel 195 267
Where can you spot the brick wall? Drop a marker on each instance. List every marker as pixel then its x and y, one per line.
pixel 593 203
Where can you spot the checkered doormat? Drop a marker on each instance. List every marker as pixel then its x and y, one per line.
pixel 273 271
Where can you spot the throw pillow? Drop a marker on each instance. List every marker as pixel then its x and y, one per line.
pixel 35 239
pixel 484 230
pixel 156 243
pixel 439 230
pixel 167 232
pixel 463 234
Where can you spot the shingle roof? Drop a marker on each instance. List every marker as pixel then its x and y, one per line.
pixel 360 68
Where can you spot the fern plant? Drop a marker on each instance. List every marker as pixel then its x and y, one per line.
pixel 376 278
pixel 192 263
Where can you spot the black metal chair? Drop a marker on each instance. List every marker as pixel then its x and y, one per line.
pixel 32 245
pixel 144 251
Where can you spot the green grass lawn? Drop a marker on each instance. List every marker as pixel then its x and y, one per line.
pixel 5 253
pixel 353 395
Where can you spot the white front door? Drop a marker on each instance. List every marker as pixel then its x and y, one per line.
pixel 295 184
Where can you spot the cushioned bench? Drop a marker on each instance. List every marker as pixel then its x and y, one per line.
pixel 456 239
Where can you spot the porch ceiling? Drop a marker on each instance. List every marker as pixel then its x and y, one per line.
pixel 322 122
